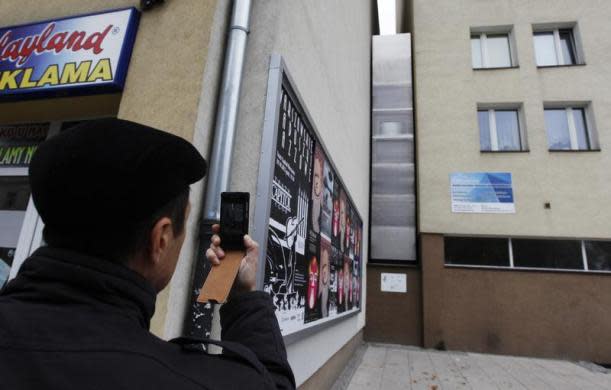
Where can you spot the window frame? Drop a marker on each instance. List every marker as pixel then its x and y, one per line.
pixel 482 34
pixel 591 135
pixel 556 29
pixel 493 129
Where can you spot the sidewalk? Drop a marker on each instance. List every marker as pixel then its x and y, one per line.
pixel 397 367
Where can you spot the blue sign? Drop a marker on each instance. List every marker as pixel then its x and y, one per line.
pixel 79 55
pixel 482 192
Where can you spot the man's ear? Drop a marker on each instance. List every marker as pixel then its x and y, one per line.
pixel 161 236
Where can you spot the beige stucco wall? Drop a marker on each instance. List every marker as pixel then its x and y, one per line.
pixel 166 69
pixel 578 185
pixel 163 89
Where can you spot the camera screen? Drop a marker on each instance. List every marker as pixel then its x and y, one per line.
pixel 232 219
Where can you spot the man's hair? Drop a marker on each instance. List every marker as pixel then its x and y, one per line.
pixel 122 244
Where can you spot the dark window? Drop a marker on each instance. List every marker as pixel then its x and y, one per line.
pixel 560 254
pixel 581 128
pixel 567 44
pixel 14 193
pixel 477 251
pixel 599 255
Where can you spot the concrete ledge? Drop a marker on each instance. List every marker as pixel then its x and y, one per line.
pixel 327 375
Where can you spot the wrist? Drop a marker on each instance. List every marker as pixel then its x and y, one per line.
pixel 239 290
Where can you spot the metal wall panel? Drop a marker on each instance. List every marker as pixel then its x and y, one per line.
pixel 393 200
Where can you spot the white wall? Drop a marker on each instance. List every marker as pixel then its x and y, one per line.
pixel 326 47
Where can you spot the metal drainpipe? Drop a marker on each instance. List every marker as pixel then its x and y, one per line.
pixel 227 112
pixel 200 319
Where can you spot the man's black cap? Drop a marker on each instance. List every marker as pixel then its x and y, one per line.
pixel 109 172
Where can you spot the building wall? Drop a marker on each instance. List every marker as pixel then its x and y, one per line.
pixel 448 91
pixel 166 69
pixel 393 317
pixel 327 376
pixel 536 313
pixel 546 314
pixel 163 89
pixel 326 47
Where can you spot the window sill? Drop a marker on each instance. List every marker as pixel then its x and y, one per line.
pixel 504 151
pixel 573 150
pixel 559 66
pixel 497 68
pixel 393 263
pixel 526 269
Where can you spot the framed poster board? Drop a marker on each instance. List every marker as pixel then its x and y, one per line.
pixel 310 231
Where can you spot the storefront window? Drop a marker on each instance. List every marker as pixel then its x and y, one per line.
pixel 17 146
pixel 14 196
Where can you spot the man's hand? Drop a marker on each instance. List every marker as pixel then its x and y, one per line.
pixel 247 274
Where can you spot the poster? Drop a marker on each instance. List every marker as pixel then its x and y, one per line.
pixel 287 268
pixel 19 142
pixel 393 282
pixel 482 192
pixel 313 257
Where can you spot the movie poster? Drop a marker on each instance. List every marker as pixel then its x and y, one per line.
pixel 286 261
pixel 336 265
pixel 312 308
pixel 313 258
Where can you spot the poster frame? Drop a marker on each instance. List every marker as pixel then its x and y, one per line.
pixel 279 75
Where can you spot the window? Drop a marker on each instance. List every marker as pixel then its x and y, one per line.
pixel 567 128
pixel 555 47
pixel 523 253
pixel 598 254
pixel 499 130
pixel 477 251
pixel 393 186
pixel 491 50
pixel 14 196
pixel 559 254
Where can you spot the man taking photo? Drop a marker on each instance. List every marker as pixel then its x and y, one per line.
pixel 114 197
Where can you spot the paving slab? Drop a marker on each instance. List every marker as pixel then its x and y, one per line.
pixel 393 367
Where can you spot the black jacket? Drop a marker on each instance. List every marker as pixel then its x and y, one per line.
pixel 69 321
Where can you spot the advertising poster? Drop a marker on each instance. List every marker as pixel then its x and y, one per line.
pixel 19 142
pixel 313 257
pixel 482 192
pixel 314 252
pixel 76 55
pixel 326 215
pixel 335 224
pixel 287 264
pixel 334 275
